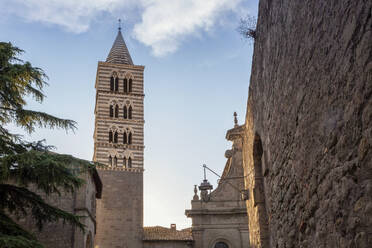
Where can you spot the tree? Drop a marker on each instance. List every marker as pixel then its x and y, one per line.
pixel 23 163
pixel 247 27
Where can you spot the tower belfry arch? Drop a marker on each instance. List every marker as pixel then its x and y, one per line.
pixel 120 211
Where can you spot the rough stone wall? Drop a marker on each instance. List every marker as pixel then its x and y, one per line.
pixel 54 234
pixel 120 211
pixel 308 138
pixel 59 235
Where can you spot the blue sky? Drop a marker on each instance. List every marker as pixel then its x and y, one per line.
pixel 197 74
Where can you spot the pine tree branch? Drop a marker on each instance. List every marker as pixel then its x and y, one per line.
pixel 11 241
pixel 9 227
pixel 21 201
pixel 48 171
pixel 30 119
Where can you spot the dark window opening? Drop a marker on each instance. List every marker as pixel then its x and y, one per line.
pixel 116 111
pixel 221 245
pixel 117 84
pixel 125 162
pixel 110 136
pixel 112 84
pixel 116 137
pixel 125 140
pixel 111 111
pixel 110 160
pixel 130 85
pixel 115 161
pixel 129 162
pixel 125 112
pixel 130 138
pixel 130 112
pixel 125 85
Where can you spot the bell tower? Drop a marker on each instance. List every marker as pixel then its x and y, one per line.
pixel 119 145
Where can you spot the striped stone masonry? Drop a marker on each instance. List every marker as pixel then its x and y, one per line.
pixel 117 101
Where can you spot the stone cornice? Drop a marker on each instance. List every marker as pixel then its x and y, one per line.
pixel 109 168
pixel 121 66
pixel 119 93
pixel 199 211
pixel 121 120
pixel 118 145
pixel 235 133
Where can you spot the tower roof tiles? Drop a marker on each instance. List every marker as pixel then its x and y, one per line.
pixel 119 53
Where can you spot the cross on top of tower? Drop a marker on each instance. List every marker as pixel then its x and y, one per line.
pixel 119 53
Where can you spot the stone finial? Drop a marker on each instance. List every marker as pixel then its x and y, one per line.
pixel 235 119
pixel 196 197
pixel 205 187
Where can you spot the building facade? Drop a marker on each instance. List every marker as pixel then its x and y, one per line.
pixel 119 145
pixel 81 203
pixel 219 218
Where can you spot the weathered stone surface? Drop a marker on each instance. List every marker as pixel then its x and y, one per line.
pixel 82 203
pixel 120 211
pixel 308 137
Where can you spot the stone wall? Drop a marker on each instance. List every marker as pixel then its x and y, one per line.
pixel 60 235
pixel 120 211
pixel 308 138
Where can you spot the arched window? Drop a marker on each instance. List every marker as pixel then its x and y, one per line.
pixel 130 85
pixel 116 137
pixel 130 112
pixel 125 138
pixel 130 138
pixel 89 242
pixel 116 84
pixel 115 161
pixel 111 111
pixel 110 136
pixel 259 190
pixel 221 245
pixel 110 160
pixel 125 85
pixel 125 162
pixel 112 83
pixel 129 162
pixel 116 111
pixel 125 112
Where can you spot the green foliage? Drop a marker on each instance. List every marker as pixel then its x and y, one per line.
pixel 25 165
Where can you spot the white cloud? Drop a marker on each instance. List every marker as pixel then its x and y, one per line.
pixel 163 24
pixel 166 22
pixel 73 15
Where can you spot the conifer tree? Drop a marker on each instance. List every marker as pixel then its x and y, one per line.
pixel 24 164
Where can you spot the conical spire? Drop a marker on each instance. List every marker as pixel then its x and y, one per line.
pixel 119 53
